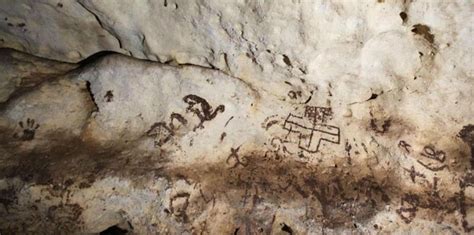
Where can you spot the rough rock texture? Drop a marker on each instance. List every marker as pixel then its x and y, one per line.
pixel 21 72
pixel 236 117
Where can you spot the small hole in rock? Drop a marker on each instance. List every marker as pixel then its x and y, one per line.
pixel 286 60
pixel 373 96
pixel 114 230
pixel 404 16
pixel 286 228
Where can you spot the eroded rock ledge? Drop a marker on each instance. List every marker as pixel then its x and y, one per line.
pixel 365 129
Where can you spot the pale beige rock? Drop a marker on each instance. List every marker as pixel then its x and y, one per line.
pixel 242 117
pixel 143 123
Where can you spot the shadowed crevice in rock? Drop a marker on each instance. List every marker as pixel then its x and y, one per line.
pixel 95 57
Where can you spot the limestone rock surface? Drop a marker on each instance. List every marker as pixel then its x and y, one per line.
pixel 236 117
pixel 21 72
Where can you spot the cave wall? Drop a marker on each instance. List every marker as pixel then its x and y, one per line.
pixel 236 117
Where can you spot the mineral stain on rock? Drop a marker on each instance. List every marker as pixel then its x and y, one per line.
pixel 382 128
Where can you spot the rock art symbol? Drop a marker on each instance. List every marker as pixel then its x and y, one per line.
pixel 238 160
pixel 467 136
pixel 29 129
pixel 404 145
pixel 408 208
pixel 468 181
pixel 318 114
pixel 163 132
pixel 311 129
pixel 277 145
pixel 205 112
pixel 430 153
pixel 411 202
pixel 432 199
pixel 414 173
pixel 436 157
pixel 109 96
pixel 178 205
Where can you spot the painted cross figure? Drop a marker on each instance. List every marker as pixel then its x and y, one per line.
pixel 311 129
pixel 414 173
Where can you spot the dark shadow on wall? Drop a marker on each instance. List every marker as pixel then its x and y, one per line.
pixel 95 57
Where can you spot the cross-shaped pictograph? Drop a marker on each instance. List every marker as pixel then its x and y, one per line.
pixel 311 129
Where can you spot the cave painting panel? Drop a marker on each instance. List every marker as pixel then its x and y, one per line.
pixel 311 129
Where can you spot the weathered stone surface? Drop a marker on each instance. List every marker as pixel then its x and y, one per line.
pixel 21 72
pixel 131 147
pixel 279 117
